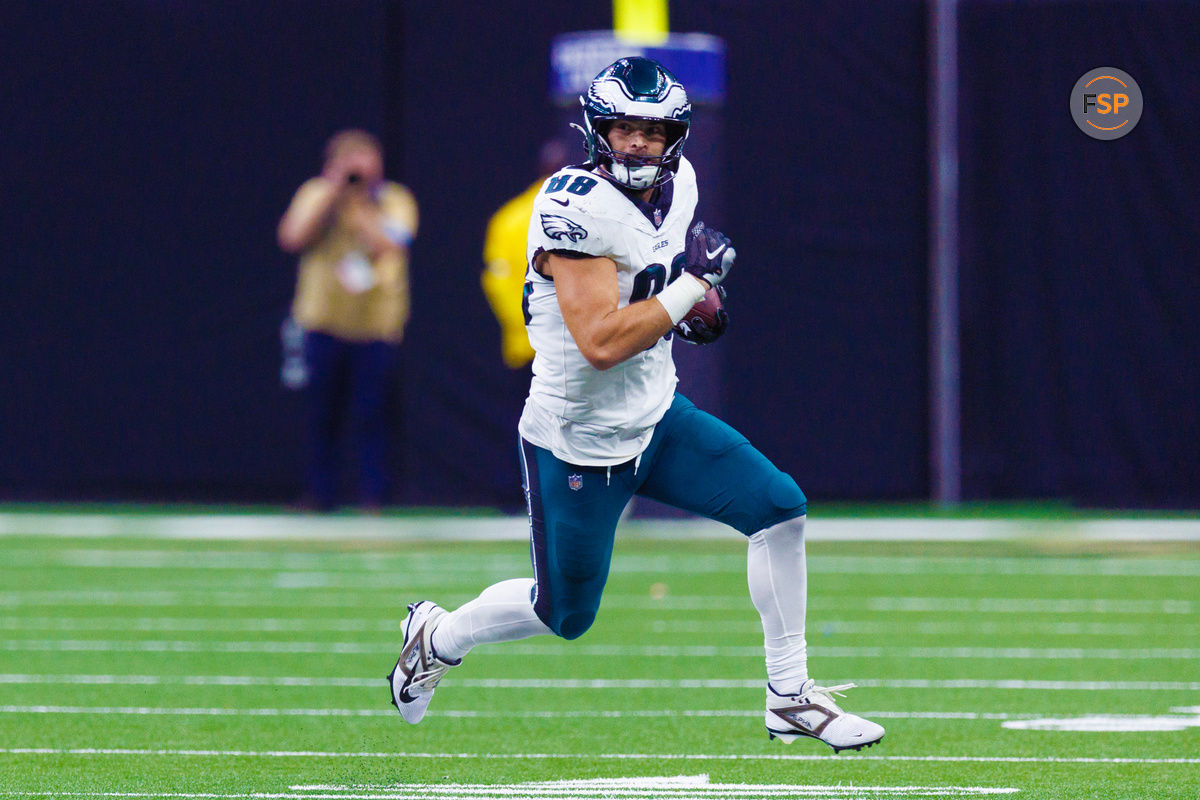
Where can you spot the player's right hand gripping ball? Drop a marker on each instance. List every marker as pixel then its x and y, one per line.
pixel 708 253
pixel 707 320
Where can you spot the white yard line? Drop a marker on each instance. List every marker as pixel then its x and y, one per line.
pixel 1036 686
pixel 156 711
pixel 194 558
pixel 599 684
pixel 604 789
pixel 1023 627
pixel 682 787
pixel 575 757
pixel 694 785
pixel 1021 605
pixel 215 625
pixel 293 527
pixel 1101 567
pixel 556 649
pixel 503 793
pixel 484 792
pixel 214 597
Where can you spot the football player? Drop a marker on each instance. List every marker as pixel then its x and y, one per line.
pixel 615 261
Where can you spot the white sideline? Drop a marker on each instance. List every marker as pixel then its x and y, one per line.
pixel 516 528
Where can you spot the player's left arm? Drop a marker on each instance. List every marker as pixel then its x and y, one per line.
pixel 588 295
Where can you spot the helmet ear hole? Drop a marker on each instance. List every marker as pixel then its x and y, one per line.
pixel 603 126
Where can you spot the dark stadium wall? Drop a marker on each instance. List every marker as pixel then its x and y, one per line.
pixel 826 191
pixel 150 148
pixel 149 151
pixel 1080 268
pixel 476 111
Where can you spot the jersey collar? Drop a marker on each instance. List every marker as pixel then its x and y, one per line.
pixel 659 206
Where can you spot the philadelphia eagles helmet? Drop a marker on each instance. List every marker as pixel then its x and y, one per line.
pixel 642 89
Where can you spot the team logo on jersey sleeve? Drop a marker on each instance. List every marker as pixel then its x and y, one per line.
pixel 557 227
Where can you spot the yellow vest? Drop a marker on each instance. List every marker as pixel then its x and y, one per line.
pixel 341 291
pixel 504 279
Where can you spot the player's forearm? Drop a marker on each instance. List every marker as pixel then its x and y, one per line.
pixel 623 333
pixel 640 325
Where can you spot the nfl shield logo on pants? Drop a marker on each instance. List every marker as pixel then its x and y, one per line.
pixel 575 482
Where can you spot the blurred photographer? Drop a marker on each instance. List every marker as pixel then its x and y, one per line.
pixel 351 229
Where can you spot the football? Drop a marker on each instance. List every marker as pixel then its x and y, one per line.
pixel 706 310
pixel 711 312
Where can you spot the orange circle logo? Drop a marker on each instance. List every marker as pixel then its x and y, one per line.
pixel 1106 103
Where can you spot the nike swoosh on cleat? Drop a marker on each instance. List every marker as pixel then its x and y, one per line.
pixel 561 202
pixel 715 253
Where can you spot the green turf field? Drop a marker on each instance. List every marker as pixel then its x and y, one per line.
pixel 177 668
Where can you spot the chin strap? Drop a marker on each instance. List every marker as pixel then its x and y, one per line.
pixel 644 179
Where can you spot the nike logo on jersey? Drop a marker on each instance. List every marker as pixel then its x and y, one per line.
pixel 561 202
pixel 711 254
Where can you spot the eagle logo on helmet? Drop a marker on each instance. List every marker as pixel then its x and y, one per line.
pixel 557 227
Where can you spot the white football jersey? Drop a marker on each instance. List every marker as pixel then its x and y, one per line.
pixel 581 414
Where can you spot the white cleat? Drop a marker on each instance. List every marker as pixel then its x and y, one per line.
pixel 418 669
pixel 812 712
